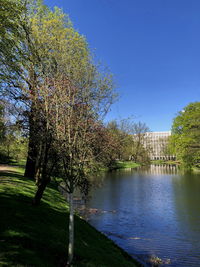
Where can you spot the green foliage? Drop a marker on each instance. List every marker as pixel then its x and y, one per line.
pixel 140 153
pixel 185 140
pixel 57 45
pixel 127 141
pixel 119 141
pixel 13 146
pixel 12 14
pixel 37 236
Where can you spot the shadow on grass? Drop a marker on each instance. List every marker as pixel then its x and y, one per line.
pixel 28 234
pixel 13 174
pixel 17 163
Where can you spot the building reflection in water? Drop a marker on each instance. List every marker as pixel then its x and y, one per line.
pixel 159 169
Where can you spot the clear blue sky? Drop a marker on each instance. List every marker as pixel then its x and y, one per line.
pixel 151 46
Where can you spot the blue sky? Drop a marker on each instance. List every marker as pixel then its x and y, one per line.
pixel 151 46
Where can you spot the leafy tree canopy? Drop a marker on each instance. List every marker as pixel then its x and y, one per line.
pixel 185 138
pixel 12 14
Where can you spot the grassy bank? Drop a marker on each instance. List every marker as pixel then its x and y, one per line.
pixel 196 169
pixel 124 165
pixel 38 236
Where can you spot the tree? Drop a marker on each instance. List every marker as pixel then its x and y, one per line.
pixel 185 138
pixel 48 43
pixel 117 138
pixel 62 50
pixel 14 56
pixel 73 119
pixel 139 153
pixel 127 141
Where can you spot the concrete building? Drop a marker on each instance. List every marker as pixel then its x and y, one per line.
pixel 156 143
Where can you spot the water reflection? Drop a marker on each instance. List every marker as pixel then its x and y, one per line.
pixel 187 204
pixel 157 169
pixel 151 212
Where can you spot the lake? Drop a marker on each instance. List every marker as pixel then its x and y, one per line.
pixel 153 213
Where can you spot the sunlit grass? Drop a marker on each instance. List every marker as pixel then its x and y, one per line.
pixel 126 164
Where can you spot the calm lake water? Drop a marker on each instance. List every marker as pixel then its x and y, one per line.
pixel 153 212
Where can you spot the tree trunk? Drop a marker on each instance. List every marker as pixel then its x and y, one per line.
pixel 30 162
pixel 32 148
pixel 40 191
pixel 71 230
pixel 42 181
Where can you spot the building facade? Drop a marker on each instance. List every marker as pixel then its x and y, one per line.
pixel 156 143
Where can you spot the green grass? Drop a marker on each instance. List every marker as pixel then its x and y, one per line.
pixel 19 163
pixel 38 236
pixel 196 169
pixel 124 165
